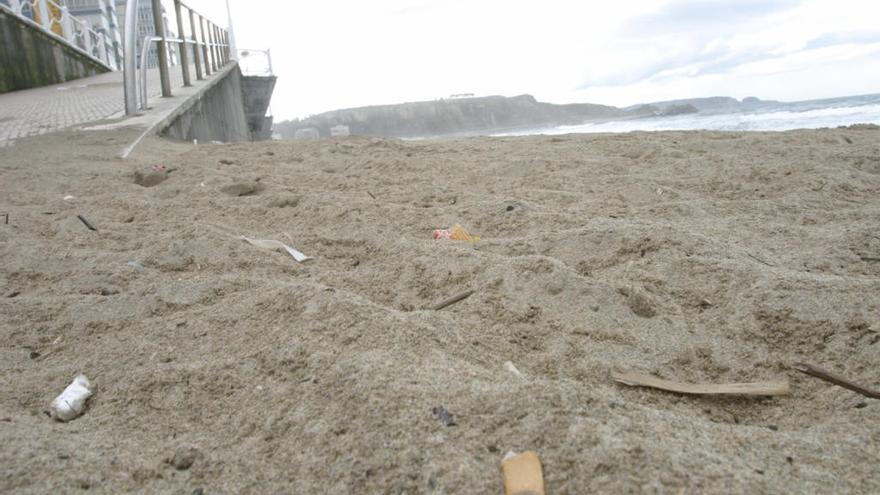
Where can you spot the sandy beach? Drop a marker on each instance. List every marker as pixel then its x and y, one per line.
pixel 705 257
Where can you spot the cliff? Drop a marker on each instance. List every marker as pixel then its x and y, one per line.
pixel 452 116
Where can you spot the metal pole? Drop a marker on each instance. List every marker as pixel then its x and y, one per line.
pixel 145 52
pixel 196 48
pixel 205 46
pixel 162 49
pixel 184 57
pixel 231 34
pixel 269 58
pixel 129 46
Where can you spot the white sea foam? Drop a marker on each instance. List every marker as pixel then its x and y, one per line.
pixel 782 120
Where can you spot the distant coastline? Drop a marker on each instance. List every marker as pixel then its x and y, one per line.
pixel 499 115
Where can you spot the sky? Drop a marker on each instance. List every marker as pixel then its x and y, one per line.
pixel 348 53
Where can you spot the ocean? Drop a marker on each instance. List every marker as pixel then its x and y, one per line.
pixel 788 116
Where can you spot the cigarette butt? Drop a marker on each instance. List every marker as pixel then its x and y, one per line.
pixel 523 474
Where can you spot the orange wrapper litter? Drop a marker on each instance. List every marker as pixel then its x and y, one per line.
pixel 456 233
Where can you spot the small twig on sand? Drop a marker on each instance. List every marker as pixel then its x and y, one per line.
pixel 835 379
pixel 635 379
pixel 371 195
pixel 759 260
pixel 86 222
pixel 7 219
pixel 452 300
pixel 869 258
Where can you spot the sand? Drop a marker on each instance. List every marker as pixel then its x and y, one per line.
pixel 697 256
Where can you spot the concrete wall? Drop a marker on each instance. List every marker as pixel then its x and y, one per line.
pixel 31 58
pixel 257 92
pixel 217 115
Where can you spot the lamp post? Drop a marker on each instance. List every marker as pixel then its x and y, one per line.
pixel 233 52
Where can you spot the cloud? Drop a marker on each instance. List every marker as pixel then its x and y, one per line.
pixel 657 64
pixel 852 37
pixel 704 17
pixel 689 37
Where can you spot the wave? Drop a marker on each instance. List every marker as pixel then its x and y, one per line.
pixel 774 120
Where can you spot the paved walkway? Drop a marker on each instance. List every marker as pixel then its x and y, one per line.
pixel 40 110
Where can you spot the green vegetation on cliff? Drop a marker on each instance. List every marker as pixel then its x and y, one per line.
pixel 453 116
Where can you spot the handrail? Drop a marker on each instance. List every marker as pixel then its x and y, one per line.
pixel 67 28
pixel 145 51
pixel 210 52
pixel 243 55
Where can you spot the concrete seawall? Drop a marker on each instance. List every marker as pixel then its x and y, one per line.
pixel 30 58
pixel 232 109
pixel 257 93
pixel 217 114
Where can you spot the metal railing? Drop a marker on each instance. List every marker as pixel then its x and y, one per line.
pixel 209 45
pixel 254 62
pixel 56 21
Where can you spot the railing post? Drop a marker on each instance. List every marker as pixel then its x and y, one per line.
pixel 107 45
pixel 223 53
pixel 45 14
pixel 67 25
pixel 184 57
pixel 215 60
pixel 196 48
pixel 129 60
pixel 113 34
pixel 212 40
pixel 209 59
pixel 162 49
pixel 226 42
pixel 102 50
pixel 87 40
pixel 205 45
pixel 145 52
pixel 217 47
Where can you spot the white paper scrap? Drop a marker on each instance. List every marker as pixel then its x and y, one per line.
pixel 72 400
pixel 276 246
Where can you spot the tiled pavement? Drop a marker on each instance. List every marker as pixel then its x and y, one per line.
pixel 40 110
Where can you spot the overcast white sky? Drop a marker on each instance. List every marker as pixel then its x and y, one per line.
pixel 345 53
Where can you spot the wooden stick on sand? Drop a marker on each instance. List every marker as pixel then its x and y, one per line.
pixel 838 380
pixel 452 300
pixel 635 379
